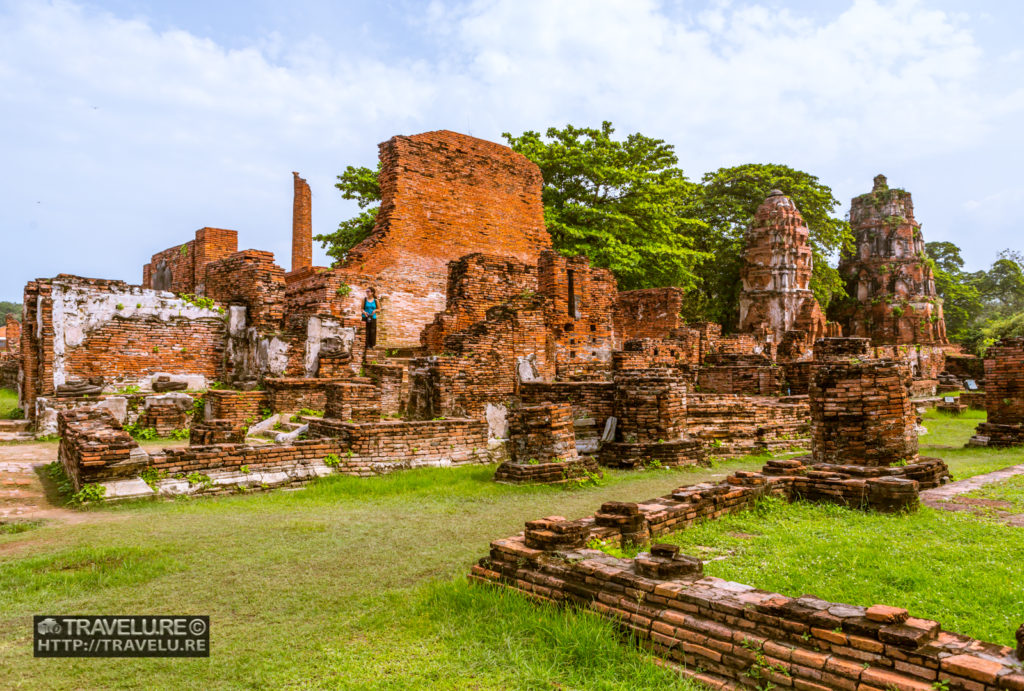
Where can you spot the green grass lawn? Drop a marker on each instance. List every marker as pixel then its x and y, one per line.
pixel 946 439
pixel 360 583
pixel 9 405
pixel 1010 491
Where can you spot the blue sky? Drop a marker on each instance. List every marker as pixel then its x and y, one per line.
pixel 126 125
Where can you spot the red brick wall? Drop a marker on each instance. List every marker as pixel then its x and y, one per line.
pixel 476 283
pixel 647 313
pixel 130 349
pixel 444 195
pixel 249 277
pixel 187 262
pixel 12 330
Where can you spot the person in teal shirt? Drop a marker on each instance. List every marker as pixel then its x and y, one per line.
pixel 370 317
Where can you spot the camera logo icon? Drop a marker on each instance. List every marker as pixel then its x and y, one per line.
pixel 47 626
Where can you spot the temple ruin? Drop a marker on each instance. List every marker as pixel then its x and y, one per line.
pixel 493 347
pixel 888 272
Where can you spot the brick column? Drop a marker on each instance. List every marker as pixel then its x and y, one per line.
pixel 302 226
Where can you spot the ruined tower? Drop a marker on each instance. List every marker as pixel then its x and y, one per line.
pixel 776 273
pixel 888 273
pixel 302 226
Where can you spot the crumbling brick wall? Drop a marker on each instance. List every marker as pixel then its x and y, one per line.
pixel 579 317
pixel 12 331
pixel 292 394
pixel 444 195
pixel 888 272
pixel 1004 395
pixel 353 402
pixel 861 412
pixel 542 434
pixel 649 313
pixel 480 364
pixel 78 328
pixel 94 448
pixel 242 408
pixel 476 283
pixel 732 425
pixel 249 278
pixel 182 269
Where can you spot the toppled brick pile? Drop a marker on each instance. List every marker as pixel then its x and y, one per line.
pixel 94 448
pixel 1004 395
pixel 860 408
pixel 650 408
pixel 731 636
pixel 543 447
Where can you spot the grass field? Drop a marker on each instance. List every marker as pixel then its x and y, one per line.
pixel 9 405
pixel 359 583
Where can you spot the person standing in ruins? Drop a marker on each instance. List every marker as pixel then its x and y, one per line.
pixel 370 317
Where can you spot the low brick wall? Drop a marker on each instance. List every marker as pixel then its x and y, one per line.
pixel 216 432
pixel 728 635
pixel 243 408
pixel 752 380
pixel 292 394
pixel 678 452
pixel 375 447
pixel 231 457
pixel 551 473
pixel 732 425
pixel 975 400
pixel 94 448
pixel 352 401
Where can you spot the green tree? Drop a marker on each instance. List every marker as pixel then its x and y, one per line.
pixel 960 295
pixel 620 202
pixel 360 184
pixel 727 200
pixel 9 308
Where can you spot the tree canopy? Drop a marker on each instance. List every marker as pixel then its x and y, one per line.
pixel 727 200
pixel 9 308
pixel 362 185
pixel 620 202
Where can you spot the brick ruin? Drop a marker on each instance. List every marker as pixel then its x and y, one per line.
pixel 732 636
pixel 543 447
pixel 776 274
pixel 481 323
pixel 1004 395
pixel 9 354
pixel 888 273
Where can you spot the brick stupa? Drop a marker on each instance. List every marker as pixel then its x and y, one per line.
pixel 888 273
pixel 776 273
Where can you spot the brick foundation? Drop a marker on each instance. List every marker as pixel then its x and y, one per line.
pixel 1004 395
pixel 292 394
pixel 353 402
pixel 732 636
pixel 94 448
pixel 242 408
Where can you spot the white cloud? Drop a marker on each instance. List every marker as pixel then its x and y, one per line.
pixel 121 139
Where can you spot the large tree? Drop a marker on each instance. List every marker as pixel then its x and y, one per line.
pixel 362 185
pixel 727 200
pixel 620 202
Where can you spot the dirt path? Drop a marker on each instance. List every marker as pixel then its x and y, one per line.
pixel 949 497
pixel 27 494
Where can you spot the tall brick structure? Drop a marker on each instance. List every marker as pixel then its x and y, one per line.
pixel 1004 395
pixel 302 225
pixel 776 273
pixel 444 195
pixel 888 273
pixel 860 407
pixel 13 331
